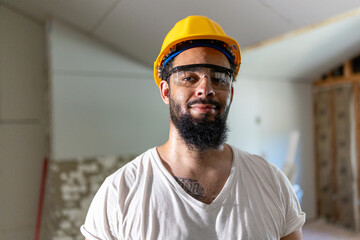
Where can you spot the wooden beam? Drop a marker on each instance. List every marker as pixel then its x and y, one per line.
pixel 357 127
pixel 354 78
pixel 348 72
pixel 333 156
pixel 316 164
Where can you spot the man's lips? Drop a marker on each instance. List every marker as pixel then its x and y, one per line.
pixel 203 108
pixel 204 104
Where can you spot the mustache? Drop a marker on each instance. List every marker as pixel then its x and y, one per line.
pixel 204 101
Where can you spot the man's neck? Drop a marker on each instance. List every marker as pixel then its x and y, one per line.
pixel 176 154
pixel 208 170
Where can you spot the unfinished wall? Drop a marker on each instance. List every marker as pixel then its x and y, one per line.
pixel 336 105
pixel 22 122
pixel 72 186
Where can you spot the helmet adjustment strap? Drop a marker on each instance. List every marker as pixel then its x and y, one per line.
pixel 218 45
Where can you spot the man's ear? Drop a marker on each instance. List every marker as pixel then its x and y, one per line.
pixel 164 91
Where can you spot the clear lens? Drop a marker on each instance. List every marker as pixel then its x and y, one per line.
pixel 192 76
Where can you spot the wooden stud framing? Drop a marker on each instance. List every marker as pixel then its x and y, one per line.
pixel 352 78
pixel 316 164
pixel 347 69
pixel 339 80
pixel 357 125
pixel 333 156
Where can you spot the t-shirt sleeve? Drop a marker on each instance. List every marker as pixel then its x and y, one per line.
pixel 294 216
pixel 101 219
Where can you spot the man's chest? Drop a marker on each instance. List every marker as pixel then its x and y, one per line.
pixel 204 191
pixel 168 214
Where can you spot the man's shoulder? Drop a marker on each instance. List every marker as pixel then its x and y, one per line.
pixel 258 170
pixel 246 157
pixel 253 162
pixel 128 173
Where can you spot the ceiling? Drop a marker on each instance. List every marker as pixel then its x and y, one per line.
pixel 137 27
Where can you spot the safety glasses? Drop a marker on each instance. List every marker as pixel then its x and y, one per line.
pixel 191 75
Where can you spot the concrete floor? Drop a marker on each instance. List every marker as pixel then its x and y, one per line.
pixel 320 230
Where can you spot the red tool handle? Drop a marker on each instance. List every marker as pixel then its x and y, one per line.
pixel 41 199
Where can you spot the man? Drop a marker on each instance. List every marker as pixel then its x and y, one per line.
pixel 195 186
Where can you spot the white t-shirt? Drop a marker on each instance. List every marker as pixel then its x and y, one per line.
pixel 142 200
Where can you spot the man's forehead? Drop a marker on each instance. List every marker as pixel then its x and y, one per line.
pixel 201 55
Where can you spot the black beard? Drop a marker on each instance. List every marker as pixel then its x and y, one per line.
pixel 200 134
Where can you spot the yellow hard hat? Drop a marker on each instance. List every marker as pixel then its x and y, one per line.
pixel 196 28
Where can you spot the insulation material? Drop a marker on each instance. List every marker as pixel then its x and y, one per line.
pixel 324 153
pixel 335 133
pixel 346 194
pixel 71 186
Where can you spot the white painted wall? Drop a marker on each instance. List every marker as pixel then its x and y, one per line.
pixel 104 104
pixel 22 122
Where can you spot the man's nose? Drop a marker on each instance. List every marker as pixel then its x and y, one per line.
pixel 205 88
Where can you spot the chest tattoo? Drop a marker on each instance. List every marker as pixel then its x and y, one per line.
pixel 192 187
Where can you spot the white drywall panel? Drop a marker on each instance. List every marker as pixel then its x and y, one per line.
pixel 102 102
pixel 95 116
pixel 71 50
pixel 82 13
pixel 27 232
pixel 22 67
pixel 22 150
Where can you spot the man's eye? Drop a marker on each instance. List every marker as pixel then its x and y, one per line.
pixel 218 81
pixel 188 79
